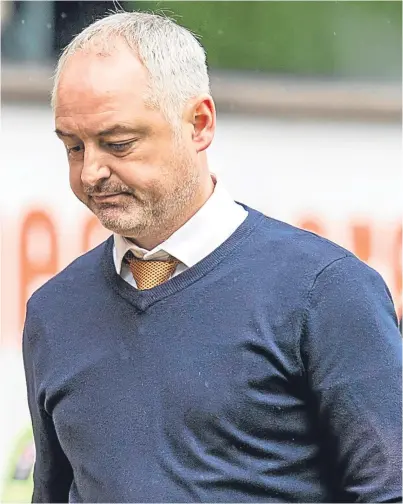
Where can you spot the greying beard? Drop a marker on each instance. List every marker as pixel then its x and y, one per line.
pixel 169 210
pixel 157 215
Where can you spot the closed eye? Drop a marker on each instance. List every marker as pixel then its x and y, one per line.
pixel 120 147
pixel 75 149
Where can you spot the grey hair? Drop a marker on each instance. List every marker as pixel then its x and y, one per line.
pixel 173 57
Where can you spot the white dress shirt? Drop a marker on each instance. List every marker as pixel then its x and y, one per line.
pixel 214 223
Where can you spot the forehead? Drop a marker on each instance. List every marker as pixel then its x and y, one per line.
pixel 97 85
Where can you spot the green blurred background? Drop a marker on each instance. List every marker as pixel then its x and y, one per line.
pixel 342 39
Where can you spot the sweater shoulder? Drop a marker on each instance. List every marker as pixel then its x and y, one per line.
pixel 73 279
pixel 288 244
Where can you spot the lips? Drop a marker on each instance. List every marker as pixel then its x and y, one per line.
pixel 103 198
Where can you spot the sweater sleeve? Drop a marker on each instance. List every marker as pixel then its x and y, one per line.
pixel 351 350
pixel 52 472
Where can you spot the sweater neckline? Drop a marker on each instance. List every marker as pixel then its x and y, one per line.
pixel 143 299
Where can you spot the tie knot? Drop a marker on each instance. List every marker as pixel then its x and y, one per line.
pixel 149 274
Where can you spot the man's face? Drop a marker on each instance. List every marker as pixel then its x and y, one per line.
pixel 126 163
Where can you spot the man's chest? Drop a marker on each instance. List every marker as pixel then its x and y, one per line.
pixel 164 375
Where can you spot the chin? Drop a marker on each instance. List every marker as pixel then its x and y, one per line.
pixel 120 225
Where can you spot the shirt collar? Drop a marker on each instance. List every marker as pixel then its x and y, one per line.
pixel 216 220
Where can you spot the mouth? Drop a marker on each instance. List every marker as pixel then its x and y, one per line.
pixel 107 198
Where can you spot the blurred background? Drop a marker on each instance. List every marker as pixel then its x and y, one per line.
pixel 309 131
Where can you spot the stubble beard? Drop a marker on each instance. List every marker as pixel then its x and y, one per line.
pixel 156 215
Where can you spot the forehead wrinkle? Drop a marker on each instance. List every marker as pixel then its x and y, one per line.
pixel 109 101
pixel 78 124
pixel 106 128
pixel 88 114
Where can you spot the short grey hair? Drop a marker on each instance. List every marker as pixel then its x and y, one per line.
pixel 172 55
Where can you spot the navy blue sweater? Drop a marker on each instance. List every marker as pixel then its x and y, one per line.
pixel 268 372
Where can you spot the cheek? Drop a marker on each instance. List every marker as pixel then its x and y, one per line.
pixel 75 180
pixel 138 174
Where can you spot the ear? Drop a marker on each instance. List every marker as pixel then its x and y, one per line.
pixel 202 118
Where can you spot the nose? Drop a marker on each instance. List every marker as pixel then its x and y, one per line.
pixel 94 168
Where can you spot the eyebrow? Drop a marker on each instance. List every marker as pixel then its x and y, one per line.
pixel 61 133
pixel 113 130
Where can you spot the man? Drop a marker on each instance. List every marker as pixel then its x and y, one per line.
pixel 204 352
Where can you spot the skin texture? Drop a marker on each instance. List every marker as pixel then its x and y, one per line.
pixel 144 190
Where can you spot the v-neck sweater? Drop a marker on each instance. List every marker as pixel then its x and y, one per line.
pixel 258 375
